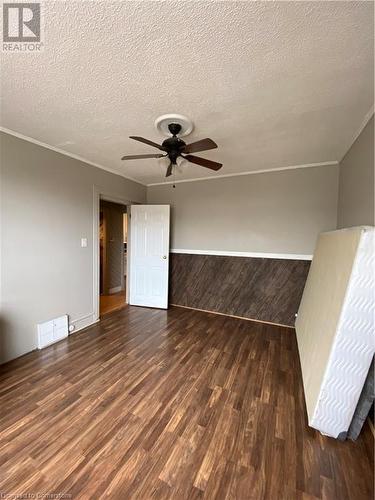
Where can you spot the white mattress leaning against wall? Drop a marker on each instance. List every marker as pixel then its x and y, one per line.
pixel 335 327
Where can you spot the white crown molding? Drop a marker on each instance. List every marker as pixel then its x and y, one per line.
pixel 66 153
pixel 260 255
pixel 365 121
pixel 210 178
pixel 265 171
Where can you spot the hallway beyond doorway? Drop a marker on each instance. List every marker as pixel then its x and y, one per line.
pixel 113 256
pixel 109 303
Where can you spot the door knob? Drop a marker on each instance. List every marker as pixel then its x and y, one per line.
pixel 164 256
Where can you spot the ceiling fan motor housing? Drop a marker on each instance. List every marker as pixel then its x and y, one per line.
pixel 174 145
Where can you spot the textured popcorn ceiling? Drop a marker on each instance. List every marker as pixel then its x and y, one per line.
pixel 273 83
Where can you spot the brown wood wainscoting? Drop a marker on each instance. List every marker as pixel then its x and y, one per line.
pixel 268 290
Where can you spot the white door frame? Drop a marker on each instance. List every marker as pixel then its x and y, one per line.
pixel 100 194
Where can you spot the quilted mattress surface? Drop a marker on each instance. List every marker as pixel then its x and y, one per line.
pixel 335 327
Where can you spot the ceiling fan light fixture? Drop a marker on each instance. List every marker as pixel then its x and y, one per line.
pixel 163 162
pixel 181 163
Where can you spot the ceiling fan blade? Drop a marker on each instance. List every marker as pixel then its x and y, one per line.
pixel 203 145
pixel 203 162
pixel 139 157
pixel 146 141
pixel 169 170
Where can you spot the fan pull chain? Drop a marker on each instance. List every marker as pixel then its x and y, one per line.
pixel 174 176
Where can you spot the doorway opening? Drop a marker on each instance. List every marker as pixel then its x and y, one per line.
pixel 113 236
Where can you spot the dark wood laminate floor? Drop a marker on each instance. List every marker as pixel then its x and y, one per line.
pixel 178 404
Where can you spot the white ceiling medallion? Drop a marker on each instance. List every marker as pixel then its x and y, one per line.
pixel 162 122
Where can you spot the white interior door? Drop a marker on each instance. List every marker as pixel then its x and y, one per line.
pixel 149 255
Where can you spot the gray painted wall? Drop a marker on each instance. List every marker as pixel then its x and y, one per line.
pixel 46 208
pixel 356 207
pixel 276 212
pixel 356 182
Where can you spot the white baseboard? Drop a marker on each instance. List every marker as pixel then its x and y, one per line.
pixel 79 324
pixel 83 322
pixel 260 255
pixel 115 289
pixel 233 316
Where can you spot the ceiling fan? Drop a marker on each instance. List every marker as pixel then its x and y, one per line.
pixel 175 147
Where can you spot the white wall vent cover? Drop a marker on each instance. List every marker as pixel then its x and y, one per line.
pixel 52 331
pixel 335 327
